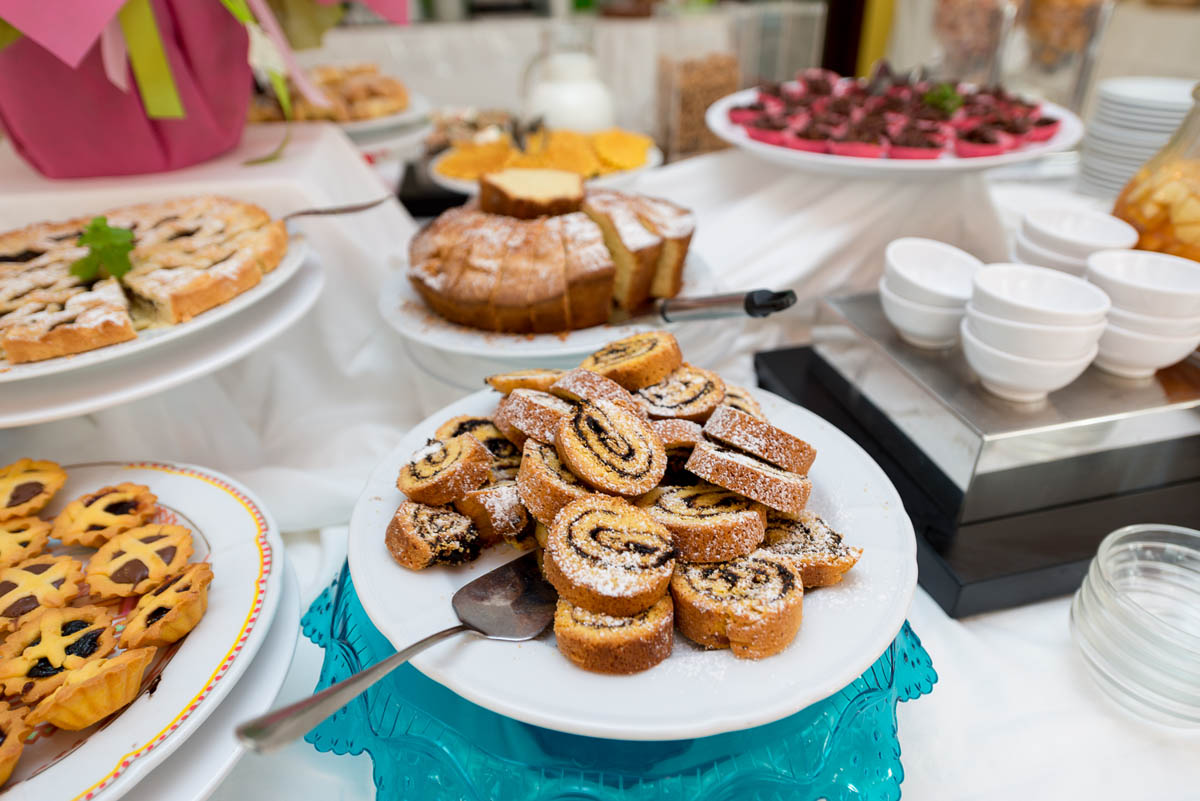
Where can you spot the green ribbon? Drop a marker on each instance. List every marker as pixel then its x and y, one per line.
pixel 149 61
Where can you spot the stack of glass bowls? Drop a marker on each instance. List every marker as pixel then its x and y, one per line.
pixel 1136 621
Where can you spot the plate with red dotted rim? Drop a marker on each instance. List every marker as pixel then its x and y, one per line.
pixel 693 693
pixel 187 680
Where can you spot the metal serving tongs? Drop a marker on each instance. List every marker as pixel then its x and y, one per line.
pixel 349 208
pixel 757 303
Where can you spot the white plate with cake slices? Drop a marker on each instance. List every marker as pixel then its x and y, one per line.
pixel 717 119
pixel 612 180
pixel 234 533
pixel 406 312
pixel 418 109
pixel 693 693
pixel 154 337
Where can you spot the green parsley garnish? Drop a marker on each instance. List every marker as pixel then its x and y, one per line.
pixel 108 251
pixel 944 97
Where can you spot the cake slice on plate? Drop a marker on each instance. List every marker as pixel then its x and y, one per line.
pixel 528 193
pixel 675 225
pixel 635 249
pixel 589 270
pixel 86 320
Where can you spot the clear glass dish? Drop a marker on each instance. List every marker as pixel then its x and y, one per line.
pixel 1136 621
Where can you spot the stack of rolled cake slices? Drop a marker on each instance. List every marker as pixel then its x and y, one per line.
pixel 541 255
pixel 660 497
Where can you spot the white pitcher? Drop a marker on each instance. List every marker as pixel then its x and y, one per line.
pixel 562 84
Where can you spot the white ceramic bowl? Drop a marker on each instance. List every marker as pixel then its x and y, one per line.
pixel 1145 282
pixel 920 324
pixel 1039 295
pixel 930 272
pixel 1149 324
pixel 1018 378
pixel 1134 355
pixel 1047 342
pixel 1028 252
pixel 1077 232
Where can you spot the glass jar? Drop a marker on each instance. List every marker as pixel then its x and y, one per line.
pixel 1136 621
pixel 1162 200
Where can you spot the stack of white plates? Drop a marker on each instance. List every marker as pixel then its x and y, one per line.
pixel 1133 119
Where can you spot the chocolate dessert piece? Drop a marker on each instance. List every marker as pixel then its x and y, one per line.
pixel 915 137
pixel 769 124
pixel 819 85
pixel 980 135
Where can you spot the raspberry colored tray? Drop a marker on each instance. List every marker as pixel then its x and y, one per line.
pixel 428 744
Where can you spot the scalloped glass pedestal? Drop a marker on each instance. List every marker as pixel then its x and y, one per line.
pixel 428 744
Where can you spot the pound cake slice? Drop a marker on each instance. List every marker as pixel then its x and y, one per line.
pixel 528 193
pixel 675 225
pixel 476 280
pixel 589 269
pixel 635 249
pixel 547 281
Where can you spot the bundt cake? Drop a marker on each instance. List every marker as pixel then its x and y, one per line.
pixel 551 273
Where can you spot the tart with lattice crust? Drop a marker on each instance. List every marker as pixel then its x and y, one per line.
pixel 93 692
pixel 90 319
pixel 13 729
pixel 169 611
pixel 138 560
pixel 97 517
pixel 37 658
pixel 40 583
pixel 26 486
pixel 22 538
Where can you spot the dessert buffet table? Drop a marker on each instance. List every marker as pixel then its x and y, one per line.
pixel 303 419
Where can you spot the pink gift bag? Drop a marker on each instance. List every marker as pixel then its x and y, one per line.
pixel 74 123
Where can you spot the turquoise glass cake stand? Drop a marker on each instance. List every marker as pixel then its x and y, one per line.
pixel 428 744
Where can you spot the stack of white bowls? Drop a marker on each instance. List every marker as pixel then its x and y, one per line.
pixel 1030 331
pixel 1155 317
pixel 925 288
pixel 1062 239
pixel 1134 118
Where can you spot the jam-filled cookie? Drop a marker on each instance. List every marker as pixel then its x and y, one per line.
pixel 43 582
pixel 36 659
pixel 609 556
pixel 444 471
pixel 97 517
pixel 637 361
pixel 816 549
pixel 421 535
pixel 13 729
pixel 608 644
pixel 170 610
pixel 611 449
pixel 506 457
pixel 27 486
pixel 538 378
pixel 751 605
pixel 138 560
pixel 93 692
pixel 22 538
pixel 688 393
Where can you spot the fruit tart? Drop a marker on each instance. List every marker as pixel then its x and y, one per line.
pixel 170 610
pixel 22 538
pixel 138 560
pixel 27 486
pixel 43 582
pixel 93 692
pixel 13 729
pixel 97 517
pixel 37 658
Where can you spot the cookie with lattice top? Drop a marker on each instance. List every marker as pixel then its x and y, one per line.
pixel 13 729
pixel 170 610
pixel 138 560
pixel 37 658
pixel 26 486
pixel 22 538
pixel 97 517
pixel 43 582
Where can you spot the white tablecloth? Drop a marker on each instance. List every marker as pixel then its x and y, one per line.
pixel 303 420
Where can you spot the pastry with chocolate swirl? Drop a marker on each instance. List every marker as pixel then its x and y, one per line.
pixel 611 448
pixel 707 523
pixel 679 438
pixel 539 378
pixel 607 644
pixel 444 471
pixel 751 605
pixel 741 399
pixel 750 476
pixel 580 385
pixel 545 484
pixel 688 393
pixel 506 457
pixel 747 433
pixel 816 549
pixel 608 556
pixel 530 414
pixel 637 361
pixel 496 511
pixel 421 535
